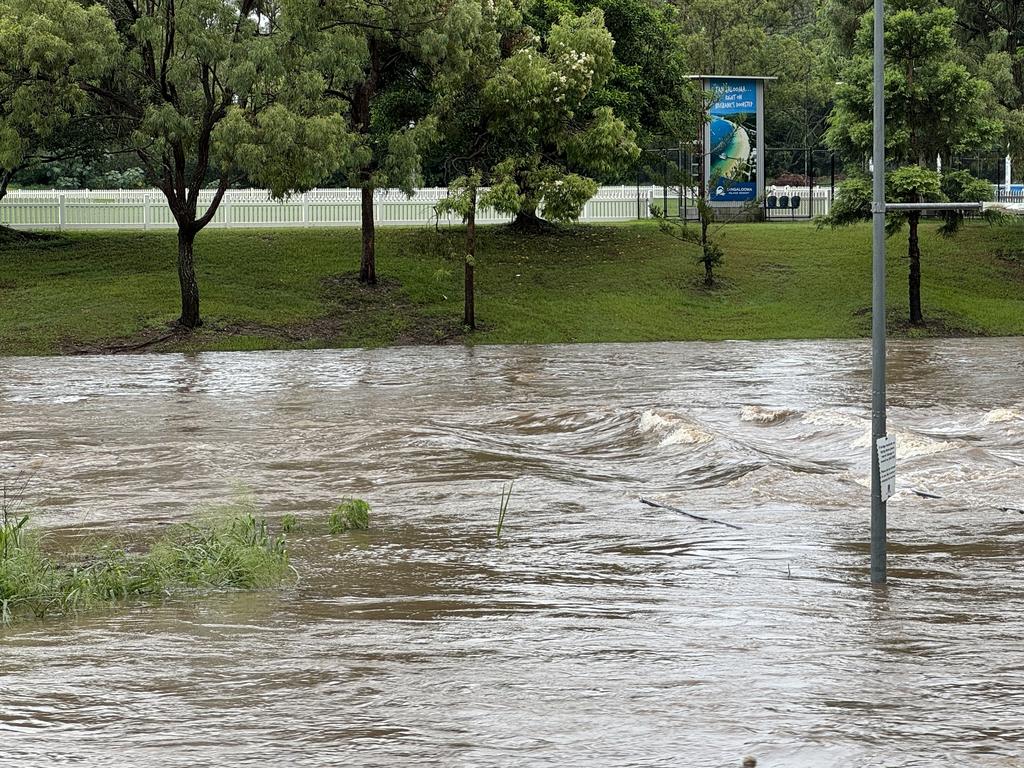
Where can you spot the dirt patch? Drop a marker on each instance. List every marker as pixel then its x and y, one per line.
pixel 936 324
pixel 155 339
pixel 355 314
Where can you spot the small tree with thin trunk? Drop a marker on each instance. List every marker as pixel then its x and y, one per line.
pixel 934 107
pixel 462 200
pixel 911 184
pixel 379 60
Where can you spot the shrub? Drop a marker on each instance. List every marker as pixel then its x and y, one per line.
pixel 350 515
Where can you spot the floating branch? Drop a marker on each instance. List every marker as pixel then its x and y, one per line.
pixel 650 503
pixel 1000 507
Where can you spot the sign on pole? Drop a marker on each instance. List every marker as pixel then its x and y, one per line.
pixel 886 447
pixel 734 140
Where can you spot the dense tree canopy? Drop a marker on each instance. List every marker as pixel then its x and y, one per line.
pixel 48 50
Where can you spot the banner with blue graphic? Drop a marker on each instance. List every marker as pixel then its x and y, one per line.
pixel 733 141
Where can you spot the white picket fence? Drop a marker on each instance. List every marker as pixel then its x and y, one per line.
pixel 146 209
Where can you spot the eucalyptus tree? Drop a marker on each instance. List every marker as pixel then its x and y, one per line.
pixel 48 50
pixel 934 107
pixel 206 92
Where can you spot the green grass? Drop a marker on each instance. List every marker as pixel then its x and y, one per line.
pixel 230 548
pixel 349 515
pixel 265 289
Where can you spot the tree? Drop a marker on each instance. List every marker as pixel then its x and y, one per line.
pixel 379 60
pixel 204 92
pixel 537 111
pixel 774 38
pixel 911 184
pixel 48 50
pixel 992 33
pixel 647 87
pixel 934 107
pixel 462 200
pixel 519 137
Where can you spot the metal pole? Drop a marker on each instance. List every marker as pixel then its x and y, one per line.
pixel 878 524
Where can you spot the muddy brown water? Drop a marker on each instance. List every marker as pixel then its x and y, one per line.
pixel 598 632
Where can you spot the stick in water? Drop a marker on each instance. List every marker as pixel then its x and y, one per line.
pixel 650 503
pixel 1000 507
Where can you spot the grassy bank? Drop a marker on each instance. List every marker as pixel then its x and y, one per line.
pixel 276 289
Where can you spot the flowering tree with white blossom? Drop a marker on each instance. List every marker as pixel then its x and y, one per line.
pixel 550 142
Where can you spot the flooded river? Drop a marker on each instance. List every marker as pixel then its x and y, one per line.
pixel 598 631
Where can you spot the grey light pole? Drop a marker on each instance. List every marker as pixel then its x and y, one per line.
pixel 878 524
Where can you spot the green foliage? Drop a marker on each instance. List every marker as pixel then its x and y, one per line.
pixel 461 196
pixel 909 184
pixel 349 515
pixel 281 150
pixel 230 549
pixel 962 187
pixel 934 105
pixel 208 91
pixel 560 195
pixel 989 35
pixel 766 37
pixel 378 64
pixel 50 50
pixel 529 112
pixel 852 203
pixel 289 523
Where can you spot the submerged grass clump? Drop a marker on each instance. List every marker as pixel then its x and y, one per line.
pixel 235 552
pixel 349 515
pixel 228 549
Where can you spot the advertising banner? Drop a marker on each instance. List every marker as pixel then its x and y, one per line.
pixel 733 140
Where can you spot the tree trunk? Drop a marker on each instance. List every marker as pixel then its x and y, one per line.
pixel 187 279
pixel 368 261
pixel 5 180
pixel 362 114
pixel 469 302
pixel 527 218
pixel 709 274
pixel 914 252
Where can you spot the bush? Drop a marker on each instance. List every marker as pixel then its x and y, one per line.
pixel 230 549
pixel 350 515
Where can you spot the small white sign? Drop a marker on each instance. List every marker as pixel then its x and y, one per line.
pixel 886 447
